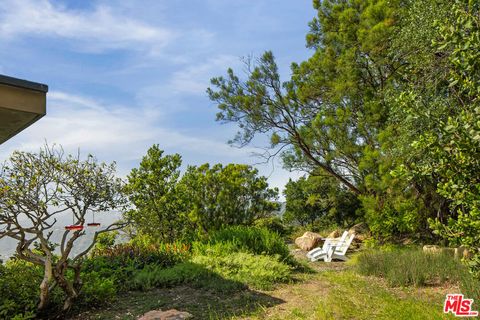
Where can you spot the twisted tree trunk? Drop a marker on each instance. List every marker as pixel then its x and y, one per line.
pixel 45 285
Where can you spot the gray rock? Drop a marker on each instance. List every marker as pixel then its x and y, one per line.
pixel 171 314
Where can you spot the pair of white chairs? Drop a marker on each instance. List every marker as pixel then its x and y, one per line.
pixel 333 248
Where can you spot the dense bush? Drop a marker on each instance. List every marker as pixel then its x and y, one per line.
pixel 97 288
pixel 273 224
pixel 121 261
pixel 414 267
pixel 169 206
pixel 164 254
pixel 249 239
pixel 155 276
pixel 19 289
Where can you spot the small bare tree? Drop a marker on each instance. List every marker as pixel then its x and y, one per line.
pixel 35 188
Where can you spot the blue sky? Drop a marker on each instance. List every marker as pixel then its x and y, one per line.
pixel 125 74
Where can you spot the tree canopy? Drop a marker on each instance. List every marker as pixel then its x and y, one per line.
pixel 37 189
pixel 387 105
pixel 169 206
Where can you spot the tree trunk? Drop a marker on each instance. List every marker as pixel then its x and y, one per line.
pixel 66 286
pixel 44 286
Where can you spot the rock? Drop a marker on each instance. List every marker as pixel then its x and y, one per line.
pixel 308 241
pixel 334 234
pixel 431 248
pixel 171 314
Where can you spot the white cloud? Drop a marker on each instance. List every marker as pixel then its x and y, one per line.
pixel 97 30
pixel 190 79
pixel 113 133
pixel 195 78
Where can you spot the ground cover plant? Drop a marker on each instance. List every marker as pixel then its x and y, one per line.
pixel 240 256
pixel 256 271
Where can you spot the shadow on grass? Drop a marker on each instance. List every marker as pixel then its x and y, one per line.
pixel 206 295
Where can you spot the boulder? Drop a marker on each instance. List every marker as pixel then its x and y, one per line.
pixel 171 314
pixel 334 234
pixel 308 241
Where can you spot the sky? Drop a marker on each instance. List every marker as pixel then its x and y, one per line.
pixel 124 75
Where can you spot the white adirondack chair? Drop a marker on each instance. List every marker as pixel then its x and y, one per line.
pixel 331 250
pixel 338 251
pixel 319 253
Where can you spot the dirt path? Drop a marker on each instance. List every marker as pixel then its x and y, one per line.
pixel 303 293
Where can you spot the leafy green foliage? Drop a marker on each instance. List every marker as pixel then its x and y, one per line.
pixel 106 240
pixel 221 196
pixel 457 150
pixel 273 224
pixel 119 262
pixel 97 289
pixel 258 271
pixel 169 207
pixel 391 216
pixel 239 238
pixel 192 274
pixel 435 118
pixel 319 201
pixel 19 283
pixel 152 190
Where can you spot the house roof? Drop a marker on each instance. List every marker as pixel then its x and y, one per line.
pixel 22 103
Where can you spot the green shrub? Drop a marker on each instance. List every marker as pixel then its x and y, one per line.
pixel 121 261
pixel 183 273
pixel 19 289
pixel 139 255
pixel 412 267
pixel 254 240
pixel 273 224
pixel 257 271
pixel 97 289
pixel 106 240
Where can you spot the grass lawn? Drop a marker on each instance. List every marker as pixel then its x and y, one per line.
pixel 332 291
